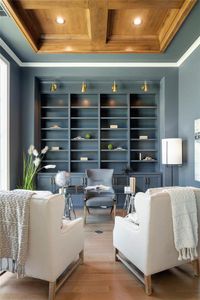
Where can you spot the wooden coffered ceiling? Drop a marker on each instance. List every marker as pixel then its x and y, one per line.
pixel 99 26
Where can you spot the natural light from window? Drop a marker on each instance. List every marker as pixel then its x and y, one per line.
pixel 4 125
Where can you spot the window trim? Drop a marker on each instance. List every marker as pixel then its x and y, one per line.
pixel 5 123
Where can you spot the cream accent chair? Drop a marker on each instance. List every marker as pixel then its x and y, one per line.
pixel 54 244
pixel 149 246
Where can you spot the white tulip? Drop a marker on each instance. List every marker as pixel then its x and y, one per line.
pixel 35 152
pixel 50 166
pixel 37 162
pixel 30 149
pixel 44 150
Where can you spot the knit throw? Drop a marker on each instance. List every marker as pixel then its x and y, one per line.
pixel 14 230
pixel 185 224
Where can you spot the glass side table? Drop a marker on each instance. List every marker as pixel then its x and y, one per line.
pixel 69 207
pixel 129 205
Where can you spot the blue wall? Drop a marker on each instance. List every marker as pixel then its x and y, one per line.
pixel 15 121
pixel 168 78
pixel 189 110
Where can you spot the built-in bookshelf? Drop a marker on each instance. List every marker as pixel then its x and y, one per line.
pixel 54 129
pixel 100 130
pixel 144 133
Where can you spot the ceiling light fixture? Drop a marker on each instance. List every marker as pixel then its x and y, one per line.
pixel 53 87
pixel 83 87
pixel 114 87
pixel 60 20
pixel 145 87
pixel 137 21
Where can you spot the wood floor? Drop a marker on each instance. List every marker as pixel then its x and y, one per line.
pixel 101 278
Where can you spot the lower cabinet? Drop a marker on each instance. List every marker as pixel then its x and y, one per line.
pixel 146 181
pixel 46 181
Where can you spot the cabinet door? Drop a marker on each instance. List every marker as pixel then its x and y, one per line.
pixel 152 181
pixel 45 182
pixel 140 183
pixel 77 179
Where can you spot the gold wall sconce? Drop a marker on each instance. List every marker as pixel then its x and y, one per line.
pixel 114 87
pixel 145 87
pixel 53 87
pixel 83 87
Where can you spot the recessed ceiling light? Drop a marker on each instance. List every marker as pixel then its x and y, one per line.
pixel 60 20
pixel 137 21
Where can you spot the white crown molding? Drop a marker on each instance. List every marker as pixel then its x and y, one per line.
pixel 101 64
pixel 10 52
pixel 192 48
pixel 98 65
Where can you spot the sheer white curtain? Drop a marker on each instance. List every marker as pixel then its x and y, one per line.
pixel 4 124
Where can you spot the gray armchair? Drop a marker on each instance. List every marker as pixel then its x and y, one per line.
pixel 99 199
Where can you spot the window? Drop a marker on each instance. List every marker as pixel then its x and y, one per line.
pixel 4 125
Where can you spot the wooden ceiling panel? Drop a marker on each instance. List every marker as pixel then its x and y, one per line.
pixel 121 22
pixel 75 21
pixel 99 26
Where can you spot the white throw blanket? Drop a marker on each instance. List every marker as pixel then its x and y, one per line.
pixel 185 224
pixel 14 228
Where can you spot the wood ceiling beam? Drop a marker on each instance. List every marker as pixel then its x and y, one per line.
pixel 112 4
pixel 173 23
pixel 51 4
pixel 98 21
pixel 31 38
pixel 142 4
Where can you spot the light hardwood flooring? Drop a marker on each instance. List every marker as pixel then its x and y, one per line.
pixel 101 278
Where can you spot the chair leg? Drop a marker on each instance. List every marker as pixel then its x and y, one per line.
pixel 148 286
pixel 52 290
pixel 81 256
pixel 85 213
pixel 195 264
pixel 116 252
pixel 114 209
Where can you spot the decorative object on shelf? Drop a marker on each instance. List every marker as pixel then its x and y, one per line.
pixel 88 136
pixel 53 87
pixel 140 156
pixel 78 138
pixel 55 148
pixel 148 158
pixel 119 149
pixel 145 87
pixel 110 146
pixel 114 126
pixel 31 166
pixel 114 87
pixel 197 150
pixel 143 137
pixel 55 126
pixel 172 154
pixel 83 158
pixel 83 87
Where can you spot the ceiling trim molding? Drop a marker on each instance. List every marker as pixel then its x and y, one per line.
pixel 192 48
pixel 177 64
pixel 100 64
pixel 10 52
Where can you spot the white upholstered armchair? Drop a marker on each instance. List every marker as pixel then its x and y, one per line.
pixel 150 245
pixel 54 244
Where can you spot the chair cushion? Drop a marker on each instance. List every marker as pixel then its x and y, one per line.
pixel 100 201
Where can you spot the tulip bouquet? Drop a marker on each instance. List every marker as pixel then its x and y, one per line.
pixel 32 165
